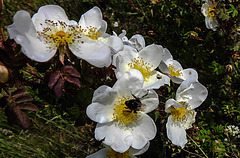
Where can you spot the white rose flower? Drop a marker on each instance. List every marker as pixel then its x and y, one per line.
pixel 146 61
pixel 123 124
pixel 208 10
pixel 107 152
pixel 190 94
pixel 174 69
pixel 95 39
pixel 49 29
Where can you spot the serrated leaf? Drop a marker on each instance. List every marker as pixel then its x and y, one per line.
pixel 23 118
pixel 18 92
pixel 58 89
pixel 53 79
pixel 29 106
pixel 23 98
pixel 73 80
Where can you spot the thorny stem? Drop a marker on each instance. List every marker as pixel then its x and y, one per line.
pixel 198 146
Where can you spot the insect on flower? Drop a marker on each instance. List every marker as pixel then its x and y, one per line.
pixel 135 104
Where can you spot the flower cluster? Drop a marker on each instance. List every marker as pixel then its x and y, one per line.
pixel 233 130
pixel 120 111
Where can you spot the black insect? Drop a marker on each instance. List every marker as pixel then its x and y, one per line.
pixel 134 104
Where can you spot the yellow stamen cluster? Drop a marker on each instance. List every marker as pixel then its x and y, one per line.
pixel 122 114
pixel 180 114
pixel 114 154
pixel 211 11
pixel 144 67
pixel 174 71
pixel 58 34
pixel 91 32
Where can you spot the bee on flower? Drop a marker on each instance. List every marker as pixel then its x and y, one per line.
pixel 120 113
pixel 209 11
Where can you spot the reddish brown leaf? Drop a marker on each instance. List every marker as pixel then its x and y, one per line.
pixel 11 115
pixel 18 92
pixel 68 67
pixel 73 80
pixel 58 89
pixel 53 79
pixel 29 106
pixel 74 73
pixel 23 98
pixel 71 71
pixel 23 118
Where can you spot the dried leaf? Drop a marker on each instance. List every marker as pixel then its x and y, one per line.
pixel 23 98
pixel 73 80
pixel 53 79
pixel 58 89
pixel 19 92
pixel 29 106
pixel 23 118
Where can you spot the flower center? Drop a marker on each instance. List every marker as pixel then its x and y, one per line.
pixel 122 114
pixel 114 154
pixel 179 113
pixel 58 34
pixel 211 11
pixel 91 32
pixel 144 67
pixel 174 71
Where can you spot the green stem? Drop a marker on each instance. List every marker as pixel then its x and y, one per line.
pixel 198 146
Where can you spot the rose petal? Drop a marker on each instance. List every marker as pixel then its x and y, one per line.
pixel 191 92
pixel 152 54
pixel 143 131
pixel 176 134
pixel 24 33
pixel 130 81
pixel 93 51
pixel 92 18
pixel 99 154
pixel 156 80
pixel 117 138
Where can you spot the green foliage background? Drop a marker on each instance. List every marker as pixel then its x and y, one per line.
pixel 61 127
